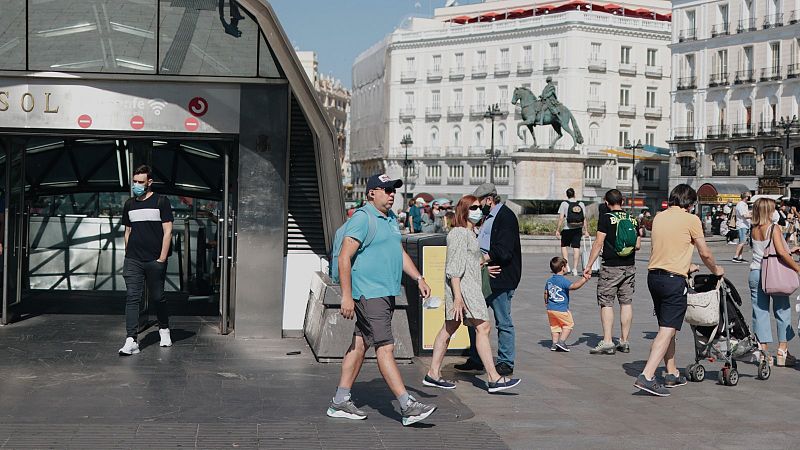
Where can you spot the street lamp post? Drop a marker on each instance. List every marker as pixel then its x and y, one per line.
pixel 630 146
pixel 492 112
pixel 405 142
pixel 788 127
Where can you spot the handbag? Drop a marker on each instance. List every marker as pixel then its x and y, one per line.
pixel 586 251
pixel 777 278
pixel 486 285
pixel 702 308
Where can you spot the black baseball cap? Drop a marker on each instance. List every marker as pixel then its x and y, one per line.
pixel 382 181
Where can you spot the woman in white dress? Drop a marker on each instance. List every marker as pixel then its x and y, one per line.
pixel 464 301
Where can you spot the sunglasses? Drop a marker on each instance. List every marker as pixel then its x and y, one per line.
pixel 474 207
pixel 388 190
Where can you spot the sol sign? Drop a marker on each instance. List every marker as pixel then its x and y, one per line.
pixel 26 102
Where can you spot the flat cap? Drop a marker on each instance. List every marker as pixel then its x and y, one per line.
pixel 485 190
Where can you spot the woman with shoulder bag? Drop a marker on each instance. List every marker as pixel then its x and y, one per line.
pixel 464 299
pixel 763 234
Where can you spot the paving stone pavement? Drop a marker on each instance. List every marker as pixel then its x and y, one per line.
pixel 63 386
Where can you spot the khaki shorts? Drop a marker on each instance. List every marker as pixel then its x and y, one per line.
pixel 616 283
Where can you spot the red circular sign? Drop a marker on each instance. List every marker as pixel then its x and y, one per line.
pixel 191 124
pixel 84 121
pixel 137 122
pixel 198 106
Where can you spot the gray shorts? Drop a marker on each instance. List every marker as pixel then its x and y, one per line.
pixel 374 320
pixel 616 283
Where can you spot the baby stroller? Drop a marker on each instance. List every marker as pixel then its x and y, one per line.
pixel 720 332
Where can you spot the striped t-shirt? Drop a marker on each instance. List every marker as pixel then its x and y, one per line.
pixel 145 218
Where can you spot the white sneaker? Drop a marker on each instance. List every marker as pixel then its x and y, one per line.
pixel 574 272
pixel 166 340
pixel 131 347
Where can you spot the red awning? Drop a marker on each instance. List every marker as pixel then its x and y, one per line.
pixel 643 11
pixel 460 19
pixel 519 11
pixel 612 6
pixel 490 14
pixel 546 7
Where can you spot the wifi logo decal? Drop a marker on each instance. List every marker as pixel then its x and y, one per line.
pixel 157 105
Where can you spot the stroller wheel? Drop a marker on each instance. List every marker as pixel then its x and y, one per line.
pixel 764 370
pixel 730 376
pixel 690 371
pixel 698 372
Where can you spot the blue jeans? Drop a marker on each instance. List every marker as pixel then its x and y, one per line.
pixel 781 308
pixel 500 302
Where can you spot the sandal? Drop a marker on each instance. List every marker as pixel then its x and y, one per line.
pixel 785 359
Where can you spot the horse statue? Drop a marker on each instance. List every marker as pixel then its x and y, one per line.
pixel 532 106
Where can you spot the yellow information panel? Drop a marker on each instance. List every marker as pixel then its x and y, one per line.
pixel 433 260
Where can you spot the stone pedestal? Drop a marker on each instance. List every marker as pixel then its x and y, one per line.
pixel 547 175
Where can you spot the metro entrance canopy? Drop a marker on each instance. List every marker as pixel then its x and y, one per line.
pixel 213 96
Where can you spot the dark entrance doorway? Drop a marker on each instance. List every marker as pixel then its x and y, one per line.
pixel 63 243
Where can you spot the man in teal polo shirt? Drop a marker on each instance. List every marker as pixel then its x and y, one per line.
pixel 370 280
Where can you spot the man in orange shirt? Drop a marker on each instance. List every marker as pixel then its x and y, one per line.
pixel 676 233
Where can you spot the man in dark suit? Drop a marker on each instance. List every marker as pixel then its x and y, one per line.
pixel 499 241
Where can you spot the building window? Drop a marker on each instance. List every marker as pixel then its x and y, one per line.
pixel 409 100
pixel 433 172
pixel 688 167
pixel 459 60
pixel 527 54
pixel 436 99
pixel 649 174
pixel 437 63
pixel 690 119
pixel 478 172
pixel 501 172
pixel 622 173
pixel 772 163
pixel 650 138
pixel 502 135
pixel 625 55
pixel 623 137
pixel 722 62
pixel 455 172
pixel 480 58
pixel 456 136
pixel 747 164
pixel 594 90
pixel 410 64
pixel 721 164
pixel 504 57
pixel 480 97
pixel 652 54
pixel 775 56
pixel 651 98
pixel 477 136
pixel 594 133
pixel 458 98
pixel 434 137
pixel 502 95
pixel 592 172
pixel 554 50
pixel 625 95
pixel 595 51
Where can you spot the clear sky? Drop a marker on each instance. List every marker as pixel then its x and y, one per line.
pixel 338 30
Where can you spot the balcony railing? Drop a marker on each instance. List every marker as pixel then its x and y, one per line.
pixel 455 111
pixel 477 110
pixel 408 76
pixel 525 67
pixel 689 171
pixel 720 29
pixel 689 34
pixel 435 75
pixel 746 25
pixel 432 151
pixel 653 112
pixel 454 151
pixel 683 134
pixel 476 181
pixel 718 79
pixel 479 71
pixel 433 180
pixel 552 64
pixel 456 73
pixel 767 128
pixel 773 170
pixel 596 106
pixel 501 181
pixel 627 110
pixel 742 130
pixel 721 172
pixel 592 182
pixel 746 171
pixel 455 180
pixel 627 68
pixel 773 21
pixel 433 112
pixel 597 65
pixel 717 132
pixel 770 74
pixel 408 112
pixel 502 69
pixel 794 17
pixel 744 76
pixel 793 71
pixel 685 83
pixel 477 150
pixel 653 71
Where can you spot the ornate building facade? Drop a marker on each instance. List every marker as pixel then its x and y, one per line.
pixel 433 79
pixel 736 69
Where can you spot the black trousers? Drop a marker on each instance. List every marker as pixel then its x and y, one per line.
pixel 137 275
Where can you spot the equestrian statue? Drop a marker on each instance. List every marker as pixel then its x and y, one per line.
pixel 545 110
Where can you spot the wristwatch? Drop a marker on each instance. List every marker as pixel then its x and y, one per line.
pixel 419 277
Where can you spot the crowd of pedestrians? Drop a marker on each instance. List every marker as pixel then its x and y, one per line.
pixel 484 266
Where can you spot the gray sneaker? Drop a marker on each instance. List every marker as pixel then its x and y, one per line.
pixel 346 410
pixel 416 411
pixel 562 346
pixel 553 347
pixel 624 347
pixel 651 386
pixel 672 381
pixel 604 348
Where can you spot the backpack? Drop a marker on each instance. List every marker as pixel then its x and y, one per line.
pixel 625 242
pixel 372 230
pixel 574 214
pixel 732 220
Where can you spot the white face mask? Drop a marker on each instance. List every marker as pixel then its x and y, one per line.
pixel 475 216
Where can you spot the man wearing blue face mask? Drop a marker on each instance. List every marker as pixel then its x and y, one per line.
pixel 147 218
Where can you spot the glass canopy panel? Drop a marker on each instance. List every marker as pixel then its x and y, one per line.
pixel 267 66
pixel 207 37
pixel 12 35
pixel 93 36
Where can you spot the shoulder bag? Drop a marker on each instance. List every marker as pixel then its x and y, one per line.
pixel 777 278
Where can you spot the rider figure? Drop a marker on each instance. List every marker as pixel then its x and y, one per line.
pixel 548 100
